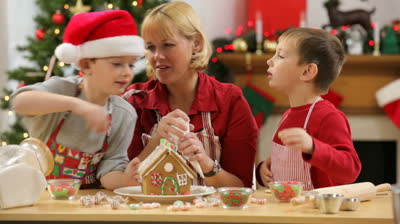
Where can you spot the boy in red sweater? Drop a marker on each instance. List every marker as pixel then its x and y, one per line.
pixel 313 142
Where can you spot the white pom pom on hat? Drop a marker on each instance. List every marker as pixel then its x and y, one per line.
pixel 67 53
pixel 100 34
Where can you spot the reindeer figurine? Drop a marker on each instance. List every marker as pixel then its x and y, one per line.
pixel 339 18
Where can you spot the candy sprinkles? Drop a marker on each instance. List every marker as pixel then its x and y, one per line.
pixel 233 198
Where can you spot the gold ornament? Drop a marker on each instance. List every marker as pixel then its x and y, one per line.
pixel 240 45
pixel 79 8
pixel 270 45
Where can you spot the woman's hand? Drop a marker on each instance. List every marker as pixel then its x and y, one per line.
pixel 265 172
pixel 173 126
pixel 298 139
pixel 192 148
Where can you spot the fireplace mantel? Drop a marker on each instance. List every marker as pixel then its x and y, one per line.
pixel 360 78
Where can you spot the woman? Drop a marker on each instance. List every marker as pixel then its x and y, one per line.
pixel 223 133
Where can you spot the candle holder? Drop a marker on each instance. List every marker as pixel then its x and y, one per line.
pixel 377 51
pixel 259 48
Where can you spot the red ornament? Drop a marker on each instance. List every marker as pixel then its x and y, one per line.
pixel 40 34
pixel 22 84
pixel 58 18
pixel 140 2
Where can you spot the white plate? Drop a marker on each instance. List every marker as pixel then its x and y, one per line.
pixel 136 193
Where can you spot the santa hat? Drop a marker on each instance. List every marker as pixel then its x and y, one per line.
pixel 100 34
pixel 388 97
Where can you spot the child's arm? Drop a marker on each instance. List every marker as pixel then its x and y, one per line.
pixel 34 103
pixel 117 179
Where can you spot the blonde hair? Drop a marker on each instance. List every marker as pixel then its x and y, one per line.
pixel 181 16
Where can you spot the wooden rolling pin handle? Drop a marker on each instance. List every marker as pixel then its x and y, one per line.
pixel 383 187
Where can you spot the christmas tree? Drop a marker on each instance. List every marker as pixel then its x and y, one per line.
pixel 51 20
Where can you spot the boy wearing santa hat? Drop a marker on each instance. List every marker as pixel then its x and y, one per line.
pixel 82 120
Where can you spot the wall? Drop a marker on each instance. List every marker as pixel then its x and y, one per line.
pixel 386 11
pixel 218 15
pixel 3 57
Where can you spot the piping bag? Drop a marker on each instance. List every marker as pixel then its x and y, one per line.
pixel 195 164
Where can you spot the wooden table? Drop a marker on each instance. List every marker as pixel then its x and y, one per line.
pixel 379 210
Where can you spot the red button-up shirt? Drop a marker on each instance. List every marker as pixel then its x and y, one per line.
pixel 231 119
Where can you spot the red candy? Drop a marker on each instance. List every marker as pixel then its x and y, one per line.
pixel 284 191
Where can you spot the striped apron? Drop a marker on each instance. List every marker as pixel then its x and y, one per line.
pixel 287 164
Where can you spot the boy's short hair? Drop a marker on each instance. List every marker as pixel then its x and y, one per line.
pixel 181 16
pixel 319 47
pixel 103 34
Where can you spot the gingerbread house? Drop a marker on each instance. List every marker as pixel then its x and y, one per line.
pixel 165 172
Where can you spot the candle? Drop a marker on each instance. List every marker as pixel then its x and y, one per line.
pixel 376 33
pixel 259 28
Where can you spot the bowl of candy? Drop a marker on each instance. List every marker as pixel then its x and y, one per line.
pixel 63 188
pixel 283 191
pixel 235 197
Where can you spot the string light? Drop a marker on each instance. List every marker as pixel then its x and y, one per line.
pixel 25 135
pixel 66 6
pixel 61 64
pixel 4 143
pixel 7 98
pixel 134 3
pixel 10 113
pixel 45 68
pixel 56 31
pixel 110 6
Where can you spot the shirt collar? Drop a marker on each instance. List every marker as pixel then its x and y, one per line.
pixel 205 97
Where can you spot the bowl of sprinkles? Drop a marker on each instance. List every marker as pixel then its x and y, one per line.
pixel 63 188
pixel 283 191
pixel 235 197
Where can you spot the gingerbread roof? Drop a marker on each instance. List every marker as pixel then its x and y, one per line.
pixel 159 153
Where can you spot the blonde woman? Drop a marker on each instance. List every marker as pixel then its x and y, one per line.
pixel 223 131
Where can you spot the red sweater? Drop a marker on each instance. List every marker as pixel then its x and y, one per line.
pixel 334 160
pixel 231 119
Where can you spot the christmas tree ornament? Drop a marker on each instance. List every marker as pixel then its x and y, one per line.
pixel 39 34
pixel 270 45
pixel 79 8
pixel 239 45
pixel 58 18
pixel 388 97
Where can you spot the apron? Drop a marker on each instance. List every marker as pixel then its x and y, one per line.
pixel 207 136
pixel 288 164
pixel 72 163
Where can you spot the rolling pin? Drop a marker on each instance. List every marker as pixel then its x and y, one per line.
pixel 365 191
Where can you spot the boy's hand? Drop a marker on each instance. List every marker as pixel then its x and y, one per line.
pixel 131 172
pixel 95 116
pixel 265 172
pixel 298 139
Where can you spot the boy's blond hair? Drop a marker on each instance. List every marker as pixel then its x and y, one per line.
pixel 319 47
pixel 181 16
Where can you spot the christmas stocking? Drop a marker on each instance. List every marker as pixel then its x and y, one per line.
pixel 388 97
pixel 260 102
pixel 333 97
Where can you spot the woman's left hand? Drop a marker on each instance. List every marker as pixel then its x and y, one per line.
pixel 190 146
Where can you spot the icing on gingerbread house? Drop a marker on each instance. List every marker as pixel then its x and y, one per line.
pixel 165 172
